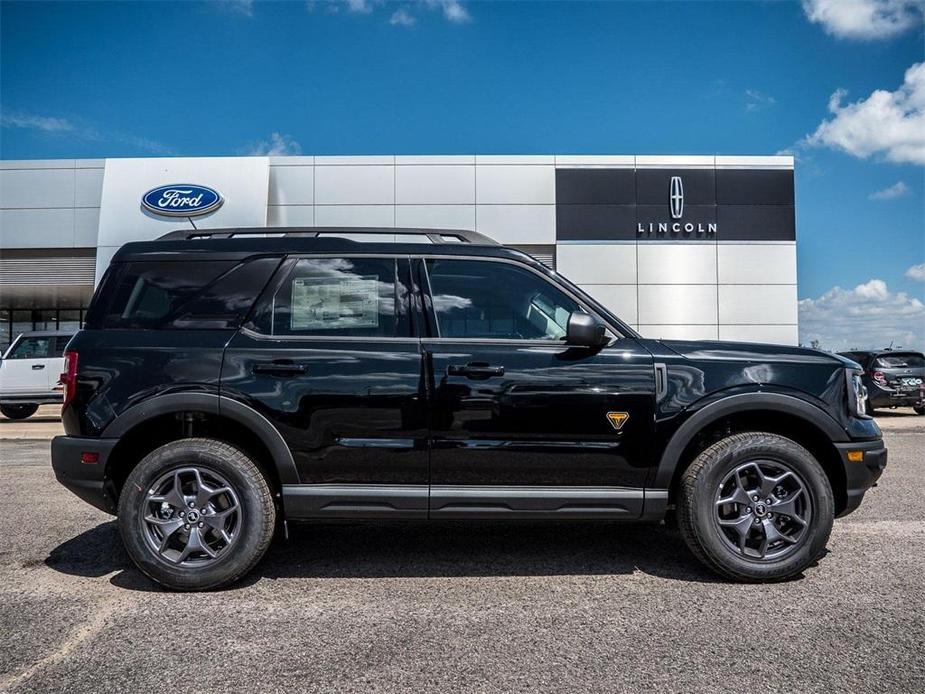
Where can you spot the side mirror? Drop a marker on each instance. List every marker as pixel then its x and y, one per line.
pixel 584 330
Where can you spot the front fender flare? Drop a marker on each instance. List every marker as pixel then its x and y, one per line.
pixel 734 404
pixel 211 403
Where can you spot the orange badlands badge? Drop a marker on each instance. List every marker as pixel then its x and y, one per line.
pixel 617 419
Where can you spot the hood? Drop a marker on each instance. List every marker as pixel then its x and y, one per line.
pixel 752 351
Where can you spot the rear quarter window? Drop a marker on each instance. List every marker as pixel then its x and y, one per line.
pixel 183 294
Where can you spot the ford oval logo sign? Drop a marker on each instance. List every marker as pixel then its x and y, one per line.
pixel 181 200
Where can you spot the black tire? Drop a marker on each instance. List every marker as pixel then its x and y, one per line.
pixel 699 510
pixel 252 497
pixel 18 411
pixel 919 409
pixel 868 409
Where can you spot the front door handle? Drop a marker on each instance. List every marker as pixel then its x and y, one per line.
pixel 475 369
pixel 36 367
pixel 279 368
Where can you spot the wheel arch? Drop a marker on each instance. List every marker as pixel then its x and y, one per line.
pixel 778 413
pixel 164 418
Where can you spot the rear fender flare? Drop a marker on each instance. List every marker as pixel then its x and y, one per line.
pixel 211 403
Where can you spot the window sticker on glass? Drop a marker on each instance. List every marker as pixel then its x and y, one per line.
pixel 335 303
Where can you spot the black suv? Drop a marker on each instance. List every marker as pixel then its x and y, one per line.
pixel 892 378
pixel 229 381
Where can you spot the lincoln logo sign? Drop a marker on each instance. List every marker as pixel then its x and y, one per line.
pixel 676 197
pixel 181 200
pixel 676 209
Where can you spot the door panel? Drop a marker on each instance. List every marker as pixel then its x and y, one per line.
pixel 352 415
pixel 544 421
pixel 30 366
pixel 328 358
pixel 519 421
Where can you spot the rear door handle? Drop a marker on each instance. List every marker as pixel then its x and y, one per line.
pixel 36 367
pixel 475 370
pixel 279 368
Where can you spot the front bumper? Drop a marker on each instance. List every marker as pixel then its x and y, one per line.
pixel 861 475
pixel 86 480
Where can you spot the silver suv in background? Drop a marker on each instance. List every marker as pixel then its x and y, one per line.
pixel 30 371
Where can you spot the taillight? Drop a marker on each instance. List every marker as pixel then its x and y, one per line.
pixel 69 377
pixel 879 377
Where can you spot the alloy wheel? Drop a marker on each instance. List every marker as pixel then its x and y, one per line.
pixel 191 516
pixel 763 510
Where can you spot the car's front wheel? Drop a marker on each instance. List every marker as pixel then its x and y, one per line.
pixel 756 507
pixel 919 409
pixel 18 411
pixel 196 514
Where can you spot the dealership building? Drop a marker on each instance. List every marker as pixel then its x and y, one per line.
pixel 698 247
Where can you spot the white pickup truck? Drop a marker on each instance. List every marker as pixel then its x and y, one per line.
pixel 29 372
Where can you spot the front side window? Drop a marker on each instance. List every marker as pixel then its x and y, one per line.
pixel 33 348
pixel 491 300
pixel 341 297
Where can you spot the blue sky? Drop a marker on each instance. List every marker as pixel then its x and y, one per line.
pixel 440 76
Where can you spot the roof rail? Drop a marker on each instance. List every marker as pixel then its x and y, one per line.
pixel 432 235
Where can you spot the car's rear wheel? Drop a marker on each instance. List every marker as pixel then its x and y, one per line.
pixel 756 507
pixel 868 409
pixel 18 411
pixel 919 409
pixel 196 514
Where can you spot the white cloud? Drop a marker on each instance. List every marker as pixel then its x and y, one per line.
pixel 868 316
pixel 887 123
pixel 864 19
pixel 241 7
pixel 276 145
pixel 401 17
pixel 359 6
pixel 916 272
pixel 455 12
pixel 62 127
pixel 49 124
pixel 758 101
pixel 897 190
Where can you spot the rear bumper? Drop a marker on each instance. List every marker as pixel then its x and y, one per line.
pixel 861 475
pixel 883 397
pixel 43 398
pixel 86 480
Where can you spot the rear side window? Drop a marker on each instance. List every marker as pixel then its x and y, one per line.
pixel 185 295
pixel 338 297
pixel 900 361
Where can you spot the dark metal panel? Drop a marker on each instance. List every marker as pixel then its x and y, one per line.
pixel 754 187
pixel 756 222
pixel 595 222
pixel 595 186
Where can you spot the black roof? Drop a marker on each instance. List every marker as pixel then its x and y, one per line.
pixel 240 242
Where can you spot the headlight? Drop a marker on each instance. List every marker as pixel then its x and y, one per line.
pixel 857 393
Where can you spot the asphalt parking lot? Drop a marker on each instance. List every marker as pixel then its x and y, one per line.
pixel 514 607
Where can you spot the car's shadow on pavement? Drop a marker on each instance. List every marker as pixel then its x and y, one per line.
pixel 472 549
